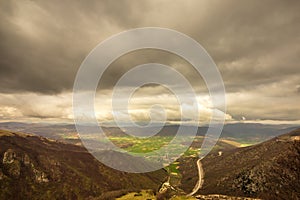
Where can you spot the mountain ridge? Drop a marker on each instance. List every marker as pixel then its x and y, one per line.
pixel 269 170
pixel 33 167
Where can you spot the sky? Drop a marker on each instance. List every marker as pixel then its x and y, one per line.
pixel 255 45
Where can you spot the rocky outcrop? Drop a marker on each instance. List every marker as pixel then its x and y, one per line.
pixel 13 163
pixel 9 156
pixel 40 176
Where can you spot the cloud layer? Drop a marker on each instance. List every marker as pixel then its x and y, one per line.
pixel 255 44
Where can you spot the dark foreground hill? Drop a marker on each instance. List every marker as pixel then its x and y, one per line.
pixel 270 170
pixel 32 167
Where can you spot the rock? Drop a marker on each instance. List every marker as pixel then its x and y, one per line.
pixel 11 164
pixel 40 176
pixel 9 156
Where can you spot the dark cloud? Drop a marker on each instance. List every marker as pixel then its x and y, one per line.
pixel 43 43
pixel 254 43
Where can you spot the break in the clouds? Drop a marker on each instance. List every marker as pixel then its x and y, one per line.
pixel 255 44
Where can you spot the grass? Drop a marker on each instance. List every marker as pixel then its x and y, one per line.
pixel 145 145
pixel 173 168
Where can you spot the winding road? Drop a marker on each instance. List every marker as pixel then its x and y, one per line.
pixel 200 180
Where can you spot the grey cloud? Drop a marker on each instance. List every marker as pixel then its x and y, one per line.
pixel 254 43
pixel 43 45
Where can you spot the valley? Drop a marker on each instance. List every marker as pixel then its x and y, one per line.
pixel 57 168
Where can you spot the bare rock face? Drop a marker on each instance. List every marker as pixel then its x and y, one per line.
pixel 9 156
pixel 13 163
pixel 40 176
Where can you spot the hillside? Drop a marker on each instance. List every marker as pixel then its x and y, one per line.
pixel 33 167
pixel 270 170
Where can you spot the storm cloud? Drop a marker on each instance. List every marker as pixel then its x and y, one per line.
pixel 255 44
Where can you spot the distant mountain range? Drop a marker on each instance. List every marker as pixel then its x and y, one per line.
pixel 248 132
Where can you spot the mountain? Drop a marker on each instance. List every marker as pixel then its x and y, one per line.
pixel 32 167
pixel 254 132
pixel 269 170
pixel 249 133
pixel 53 131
